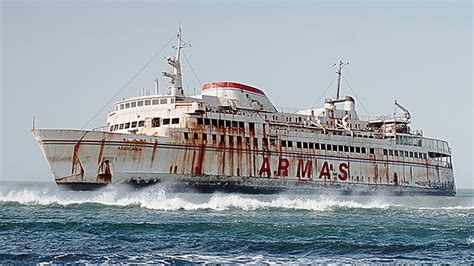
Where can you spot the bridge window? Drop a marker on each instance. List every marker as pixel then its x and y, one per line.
pixel 155 102
pixel 121 126
pixel 323 146
pixel 116 127
pixel 401 153
pixel 406 153
pixel 140 103
pixel 371 151
pixel 127 105
pixel 133 104
pixel 147 102
pixel 283 143
pixel 290 144
pixel 175 121
pixel 357 149
pixel 155 122
pixel 346 148
pixel 351 148
pixel 134 124
pixel 334 147
pixel 298 144
pixel 166 121
pixel 316 146
pixel 305 145
pixel 395 153
pixel 311 145
pixel 390 152
pixel 141 123
pixel 363 150
pixel 127 125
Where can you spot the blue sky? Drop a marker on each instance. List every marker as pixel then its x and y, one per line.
pixel 62 60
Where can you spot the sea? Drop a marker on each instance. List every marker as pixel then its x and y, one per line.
pixel 41 224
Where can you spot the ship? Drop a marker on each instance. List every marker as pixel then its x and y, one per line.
pixel 231 138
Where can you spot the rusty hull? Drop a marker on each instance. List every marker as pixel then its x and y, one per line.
pixel 98 158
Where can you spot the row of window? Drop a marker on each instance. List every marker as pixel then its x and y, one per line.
pixel 128 125
pixel 155 122
pixel 224 123
pixel 143 103
pixel 327 147
pixel 409 154
pixel 407 140
pixel 221 138
pixel 305 145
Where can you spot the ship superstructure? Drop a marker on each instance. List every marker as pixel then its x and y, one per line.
pixel 232 138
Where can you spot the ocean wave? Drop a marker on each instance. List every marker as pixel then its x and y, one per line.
pixel 157 199
pixel 448 208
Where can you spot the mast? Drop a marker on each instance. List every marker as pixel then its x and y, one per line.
pixel 339 73
pixel 176 88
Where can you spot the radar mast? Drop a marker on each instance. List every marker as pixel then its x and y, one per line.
pixel 341 65
pixel 176 88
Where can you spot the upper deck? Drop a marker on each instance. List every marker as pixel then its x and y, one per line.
pixel 232 104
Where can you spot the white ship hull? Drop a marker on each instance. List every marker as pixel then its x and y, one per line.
pixel 81 159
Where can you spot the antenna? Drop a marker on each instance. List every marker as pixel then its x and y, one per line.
pixel 341 65
pixel 157 87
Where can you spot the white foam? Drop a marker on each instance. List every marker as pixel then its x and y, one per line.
pixel 156 198
pixel 470 240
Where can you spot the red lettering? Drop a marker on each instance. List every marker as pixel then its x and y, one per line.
pixel 307 170
pixel 265 167
pixel 283 165
pixel 325 171
pixel 344 169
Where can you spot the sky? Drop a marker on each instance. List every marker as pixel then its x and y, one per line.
pixel 61 61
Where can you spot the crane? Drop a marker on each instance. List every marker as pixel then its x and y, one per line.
pixel 406 114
